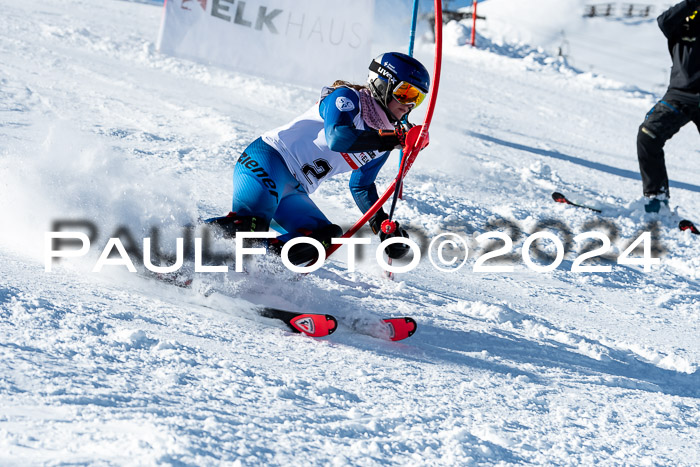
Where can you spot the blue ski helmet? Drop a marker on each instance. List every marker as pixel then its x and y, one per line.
pixel 389 70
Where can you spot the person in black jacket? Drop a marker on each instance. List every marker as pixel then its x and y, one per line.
pixel 680 105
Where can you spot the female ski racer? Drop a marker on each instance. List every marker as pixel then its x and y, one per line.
pixel 351 128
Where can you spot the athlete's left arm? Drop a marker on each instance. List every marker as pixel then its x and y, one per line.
pixel 362 186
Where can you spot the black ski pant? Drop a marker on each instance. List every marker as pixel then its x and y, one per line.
pixel 661 123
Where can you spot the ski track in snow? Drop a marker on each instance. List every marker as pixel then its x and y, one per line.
pixel 505 368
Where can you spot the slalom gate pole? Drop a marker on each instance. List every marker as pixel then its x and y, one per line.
pixel 414 21
pixel 473 38
pixel 391 225
pixel 412 152
pixel 411 43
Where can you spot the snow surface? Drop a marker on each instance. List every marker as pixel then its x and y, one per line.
pixel 506 368
pixel 631 49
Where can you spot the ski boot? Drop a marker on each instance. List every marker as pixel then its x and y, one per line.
pixel 303 253
pixel 228 225
pixel 655 202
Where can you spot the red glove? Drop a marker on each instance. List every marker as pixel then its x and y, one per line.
pixel 401 138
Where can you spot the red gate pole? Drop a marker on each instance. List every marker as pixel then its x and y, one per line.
pixel 474 23
pixel 411 153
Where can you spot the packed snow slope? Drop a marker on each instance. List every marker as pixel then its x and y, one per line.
pixel 516 367
pixel 626 45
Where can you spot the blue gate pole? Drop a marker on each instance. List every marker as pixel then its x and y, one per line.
pixel 414 20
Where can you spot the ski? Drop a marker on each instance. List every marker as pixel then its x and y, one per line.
pixel 388 329
pixel 320 325
pixel 310 324
pixel 685 224
pixel 401 328
pixel 559 198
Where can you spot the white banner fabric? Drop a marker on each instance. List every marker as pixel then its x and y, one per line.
pixel 309 42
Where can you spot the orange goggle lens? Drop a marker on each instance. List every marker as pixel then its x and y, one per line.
pixel 407 94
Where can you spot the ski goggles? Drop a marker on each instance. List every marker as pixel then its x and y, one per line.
pixel 407 94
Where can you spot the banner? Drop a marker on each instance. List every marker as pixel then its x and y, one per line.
pixel 310 42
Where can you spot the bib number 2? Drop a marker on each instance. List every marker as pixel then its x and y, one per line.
pixel 320 169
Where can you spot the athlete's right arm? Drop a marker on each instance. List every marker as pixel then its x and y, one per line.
pixel 338 111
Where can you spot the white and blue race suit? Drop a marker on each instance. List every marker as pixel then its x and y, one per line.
pixel 276 173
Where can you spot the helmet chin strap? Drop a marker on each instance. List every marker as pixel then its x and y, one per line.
pixel 383 102
pixel 391 117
